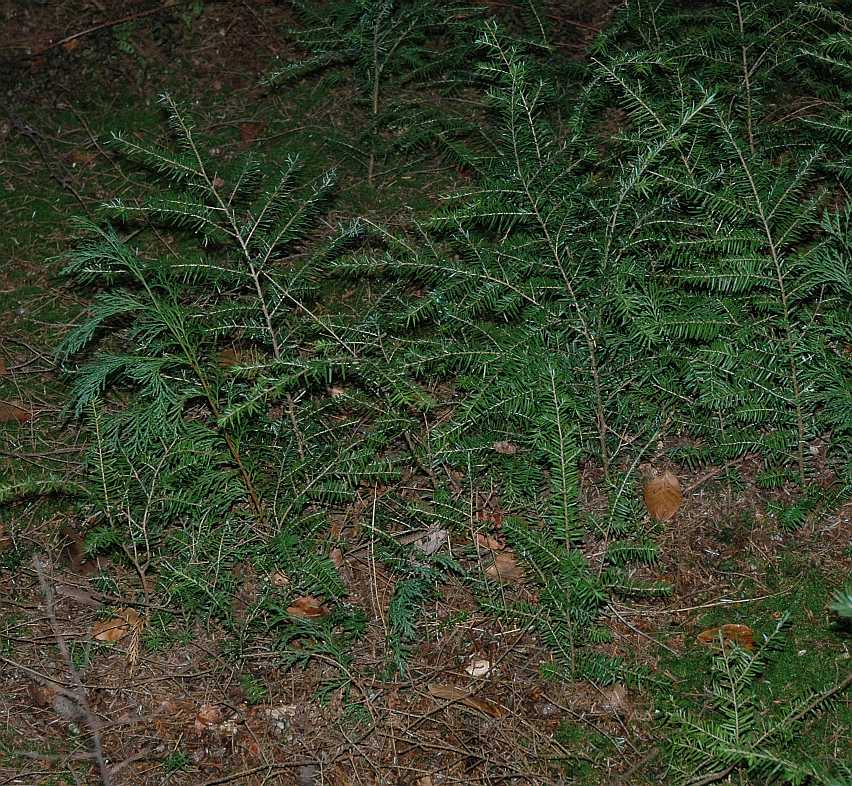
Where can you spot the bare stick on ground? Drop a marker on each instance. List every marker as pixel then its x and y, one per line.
pixel 76 687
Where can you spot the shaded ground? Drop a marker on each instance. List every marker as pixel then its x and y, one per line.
pixel 185 705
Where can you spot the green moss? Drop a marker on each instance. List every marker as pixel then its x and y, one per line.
pixel 176 761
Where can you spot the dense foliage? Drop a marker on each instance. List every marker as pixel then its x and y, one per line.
pixel 686 275
pixel 404 58
pixel 659 253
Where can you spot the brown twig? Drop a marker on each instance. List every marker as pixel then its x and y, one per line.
pixel 623 777
pixel 102 26
pixel 420 463
pixel 78 690
pixel 269 769
pixel 28 132
pixel 642 633
pixel 711 474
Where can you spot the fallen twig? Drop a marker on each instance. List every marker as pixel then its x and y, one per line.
pixel 102 26
pixel 77 690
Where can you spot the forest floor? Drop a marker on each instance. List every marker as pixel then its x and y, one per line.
pixel 477 704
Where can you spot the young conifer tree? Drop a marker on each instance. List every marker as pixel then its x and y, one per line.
pixel 195 351
pixel 404 56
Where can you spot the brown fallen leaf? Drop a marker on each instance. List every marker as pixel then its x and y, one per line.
pixel 13 413
pixel 249 131
pixel 209 716
pixel 454 693
pixel 432 540
pixel 663 496
pixel 730 633
pixel 125 622
pixel 505 567
pixel 487 542
pixel 228 357
pixel 3 369
pixel 81 158
pixel 307 607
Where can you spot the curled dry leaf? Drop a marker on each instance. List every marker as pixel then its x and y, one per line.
pixel 431 541
pixel 479 667
pixel 307 607
pixel 505 567
pixel 13 413
pixel 454 693
pixel 663 496
pixel 730 633
pixel 125 622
